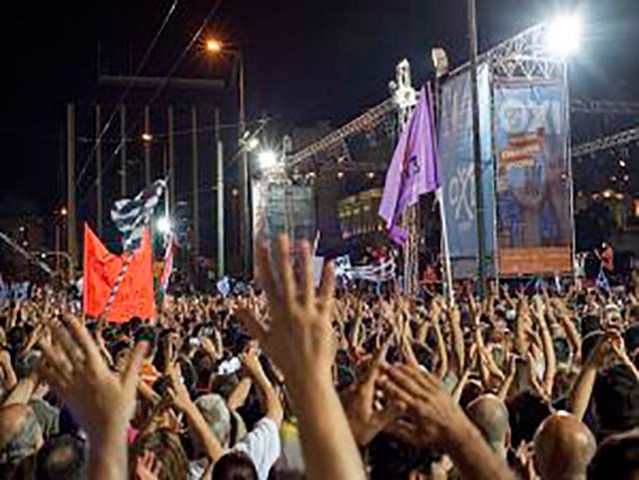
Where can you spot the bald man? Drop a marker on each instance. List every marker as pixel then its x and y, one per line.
pixel 490 416
pixel 563 448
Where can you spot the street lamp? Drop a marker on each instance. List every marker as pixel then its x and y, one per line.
pixel 563 35
pixel 164 225
pixel 253 143
pixel 216 47
pixel 213 45
pixel 267 159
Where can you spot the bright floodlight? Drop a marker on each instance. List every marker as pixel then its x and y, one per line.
pixel 253 143
pixel 213 45
pixel 564 35
pixel 164 224
pixel 267 159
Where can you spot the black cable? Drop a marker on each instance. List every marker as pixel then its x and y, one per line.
pixel 166 79
pixel 138 70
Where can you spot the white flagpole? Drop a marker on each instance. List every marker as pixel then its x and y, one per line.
pixel 448 288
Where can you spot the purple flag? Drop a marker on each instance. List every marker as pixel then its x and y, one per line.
pixel 414 169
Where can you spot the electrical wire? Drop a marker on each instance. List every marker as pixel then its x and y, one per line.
pixel 138 70
pixel 165 80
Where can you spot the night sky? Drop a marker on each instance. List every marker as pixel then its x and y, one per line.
pixel 306 60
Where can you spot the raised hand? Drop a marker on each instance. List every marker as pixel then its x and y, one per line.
pixel 437 421
pixel 432 410
pixel 101 400
pixel 365 420
pixel 147 467
pixel 77 372
pixel 299 337
pixel 209 347
pixel 178 391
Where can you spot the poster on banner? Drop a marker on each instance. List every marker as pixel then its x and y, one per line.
pixel 534 220
pixel 458 171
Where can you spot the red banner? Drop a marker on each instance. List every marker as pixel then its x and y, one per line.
pixel 135 296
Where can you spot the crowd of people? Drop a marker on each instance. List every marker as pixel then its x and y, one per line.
pixel 294 381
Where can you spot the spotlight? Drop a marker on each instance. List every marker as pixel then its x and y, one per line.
pixel 252 144
pixel 164 224
pixel 267 159
pixel 563 35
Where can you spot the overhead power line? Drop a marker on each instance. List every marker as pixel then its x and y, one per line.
pixel 138 70
pixel 165 80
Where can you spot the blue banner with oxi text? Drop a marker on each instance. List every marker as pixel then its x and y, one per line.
pixel 458 172
pixel 534 219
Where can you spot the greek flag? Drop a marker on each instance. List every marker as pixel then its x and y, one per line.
pixel 132 216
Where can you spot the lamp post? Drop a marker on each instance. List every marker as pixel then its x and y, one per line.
pixel 479 193
pixel 215 47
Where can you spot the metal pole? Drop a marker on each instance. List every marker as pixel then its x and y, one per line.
pixel 447 269
pixel 98 166
pixel 165 171
pixel 57 244
pixel 71 210
pixel 571 178
pixel 196 183
pixel 147 146
pixel 171 159
pixel 245 210
pixel 123 150
pixel 479 194
pixel 220 195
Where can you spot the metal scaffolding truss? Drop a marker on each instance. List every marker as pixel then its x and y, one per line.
pixel 523 56
pixel 605 143
pixel 604 107
pixel 368 121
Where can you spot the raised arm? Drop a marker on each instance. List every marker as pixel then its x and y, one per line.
pixel 301 330
pixel 10 378
pixel 571 331
pixel 102 401
pixel 581 392
pixel 182 401
pixel 549 351
pixel 271 400
pixel 442 351
pixel 240 393
pixel 459 359
pixel 443 424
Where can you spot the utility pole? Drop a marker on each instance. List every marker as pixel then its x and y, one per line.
pixel 219 149
pixel 196 188
pixel 98 166
pixel 245 208
pixel 147 146
pixel 171 159
pixel 57 245
pixel 71 210
pixel 479 194
pixel 123 149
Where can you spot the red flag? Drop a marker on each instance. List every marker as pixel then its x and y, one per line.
pixel 135 296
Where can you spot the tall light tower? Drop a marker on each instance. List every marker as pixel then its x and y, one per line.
pixel 216 47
